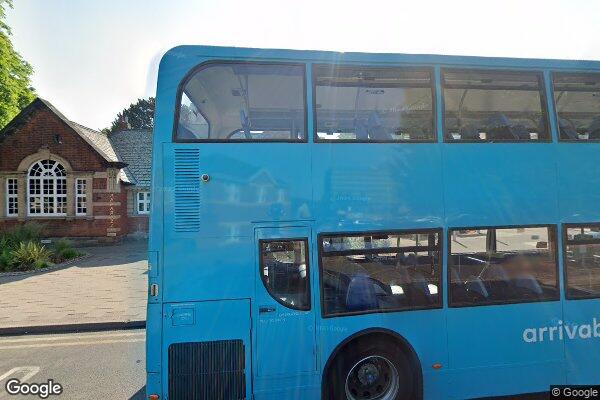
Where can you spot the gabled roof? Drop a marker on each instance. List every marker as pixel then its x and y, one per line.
pixel 134 147
pixel 98 141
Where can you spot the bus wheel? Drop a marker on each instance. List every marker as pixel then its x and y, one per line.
pixel 379 371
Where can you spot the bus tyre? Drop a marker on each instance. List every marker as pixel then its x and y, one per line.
pixel 377 371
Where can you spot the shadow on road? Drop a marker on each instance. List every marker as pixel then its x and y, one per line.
pixel 139 395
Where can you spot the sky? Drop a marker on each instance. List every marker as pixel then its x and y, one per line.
pixel 94 58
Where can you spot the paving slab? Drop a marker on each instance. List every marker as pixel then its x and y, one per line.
pixel 107 287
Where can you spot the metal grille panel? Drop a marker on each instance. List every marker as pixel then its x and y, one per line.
pixel 187 190
pixel 207 370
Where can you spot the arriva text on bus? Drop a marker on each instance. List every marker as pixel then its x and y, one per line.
pixel 562 331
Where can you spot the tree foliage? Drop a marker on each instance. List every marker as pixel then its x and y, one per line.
pixel 139 115
pixel 15 74
pixel 3 4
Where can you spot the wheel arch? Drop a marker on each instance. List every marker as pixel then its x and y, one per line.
pixel 386 334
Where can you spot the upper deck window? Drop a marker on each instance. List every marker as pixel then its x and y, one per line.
pixel 243 102
pixel 494 106
pixel 366 104
pixel 577 98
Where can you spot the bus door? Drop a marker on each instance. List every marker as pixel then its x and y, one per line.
pixel 284 331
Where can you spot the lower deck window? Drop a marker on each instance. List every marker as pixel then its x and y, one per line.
pixel 502 265
pixel 375 272
pixel 582 261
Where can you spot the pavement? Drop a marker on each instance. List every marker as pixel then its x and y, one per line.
pixel 106 288
pixel 95 365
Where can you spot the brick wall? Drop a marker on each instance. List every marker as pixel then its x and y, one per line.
pixel 136 223
pixel 60 227
pixel 36 139
pixel 39 132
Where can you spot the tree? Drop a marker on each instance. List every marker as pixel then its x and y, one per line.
pixel 138 115
pixel 15 74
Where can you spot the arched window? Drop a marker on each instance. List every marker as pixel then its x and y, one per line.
pixel 47 188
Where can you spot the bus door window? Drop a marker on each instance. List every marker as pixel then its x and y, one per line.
pixel 285 273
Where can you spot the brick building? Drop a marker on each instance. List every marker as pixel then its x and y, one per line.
pixel 77 181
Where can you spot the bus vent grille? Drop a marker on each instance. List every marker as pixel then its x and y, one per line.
pixel 207 370
pixel 187 190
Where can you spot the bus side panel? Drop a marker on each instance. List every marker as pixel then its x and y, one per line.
pixel 370 187
pixel 579 184
pixel 247 182
pixel 501 185
pixel 153 348
pixel 218 334
pixel 579 187
pixel 208 269
pixel 377 186
pixel 493 345
pixel 424 330
pixel 582 351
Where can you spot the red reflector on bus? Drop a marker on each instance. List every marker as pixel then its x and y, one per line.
pixel 437 366
pixel 153 397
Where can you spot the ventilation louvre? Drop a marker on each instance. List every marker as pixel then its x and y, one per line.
pixel 207 370
pixel 187 190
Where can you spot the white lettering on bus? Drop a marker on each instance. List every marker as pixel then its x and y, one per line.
pixel 571 332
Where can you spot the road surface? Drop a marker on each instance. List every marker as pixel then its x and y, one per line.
pixel 94 365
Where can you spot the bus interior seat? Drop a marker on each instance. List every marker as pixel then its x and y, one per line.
pixel 594 128
pixel 499 127
pixel 521 132
pixel 420 285
pixel 468 132
pixel 567 128
pixel 245 123
pixel 361 294
pixel 360 129
pixel 455 277
pixel 495 272
pixel 528 282
pixel 474 284
pixel 375 128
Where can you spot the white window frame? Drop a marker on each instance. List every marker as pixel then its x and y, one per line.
pixel 10 196
pixel 80 196
pixel 143 199
pixel 55 175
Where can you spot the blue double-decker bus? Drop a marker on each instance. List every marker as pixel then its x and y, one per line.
pixel 351 226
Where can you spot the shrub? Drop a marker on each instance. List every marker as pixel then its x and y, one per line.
pixel 29 232
pixel 6 259
pixel 63 250
pixel 5 243
pixel 30 255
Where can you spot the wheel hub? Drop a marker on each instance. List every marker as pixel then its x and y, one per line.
pixel 368 374
pixel 372 378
